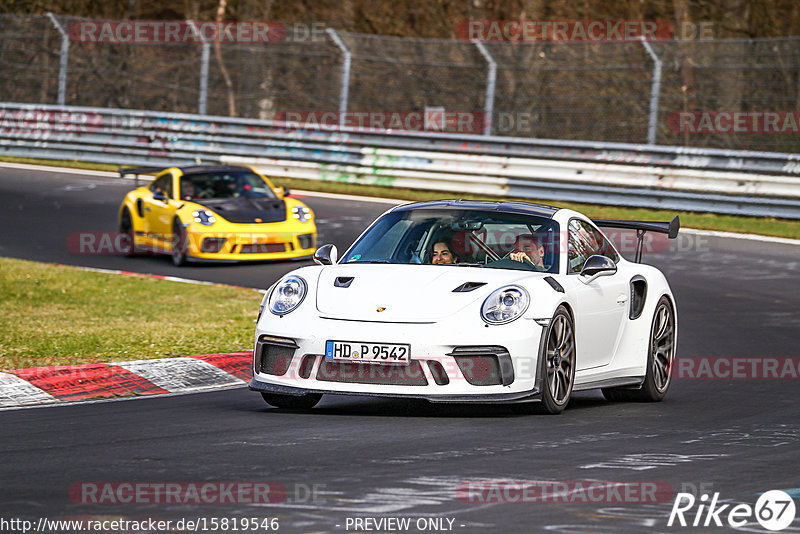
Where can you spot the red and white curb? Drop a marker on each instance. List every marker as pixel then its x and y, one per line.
pixel 65 383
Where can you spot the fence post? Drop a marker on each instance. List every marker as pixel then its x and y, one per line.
pixel 491 82
pixel 655 93
pixel 346 59
pixel 205 55
pixel 64 62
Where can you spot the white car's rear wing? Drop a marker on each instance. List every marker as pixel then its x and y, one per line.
pixel 642 227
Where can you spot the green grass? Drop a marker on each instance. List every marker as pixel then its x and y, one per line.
pixel 706 221
pixel 58 315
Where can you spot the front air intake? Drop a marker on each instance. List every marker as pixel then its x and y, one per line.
pixel 274 355
pixel 372 373
pixel 484 366
pixel 306 241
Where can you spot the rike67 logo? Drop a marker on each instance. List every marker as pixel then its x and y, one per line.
pixel 774 510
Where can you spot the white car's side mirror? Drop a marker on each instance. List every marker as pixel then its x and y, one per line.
pixel 326 255
pixel 597 266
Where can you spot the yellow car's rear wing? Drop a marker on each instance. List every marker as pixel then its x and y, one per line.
pixel 140 170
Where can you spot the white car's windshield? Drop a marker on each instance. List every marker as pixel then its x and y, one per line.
pixel 460 237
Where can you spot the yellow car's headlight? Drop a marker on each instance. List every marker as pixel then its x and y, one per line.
pixel 204 217
pixel 301 213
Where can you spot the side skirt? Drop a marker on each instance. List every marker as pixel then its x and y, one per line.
pixel 634 382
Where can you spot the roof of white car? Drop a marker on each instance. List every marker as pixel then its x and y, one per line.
pixel 506 206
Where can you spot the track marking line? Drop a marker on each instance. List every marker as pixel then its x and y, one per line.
pixel 65 170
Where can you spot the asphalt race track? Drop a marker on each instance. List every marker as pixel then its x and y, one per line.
pixel 356 457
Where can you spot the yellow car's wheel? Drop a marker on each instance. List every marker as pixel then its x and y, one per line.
pixel 126 232
pixel 180 244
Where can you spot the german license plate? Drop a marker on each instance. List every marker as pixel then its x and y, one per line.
pixel 364 352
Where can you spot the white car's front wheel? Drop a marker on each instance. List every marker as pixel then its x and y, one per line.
pixel 292 402
pixel 558 363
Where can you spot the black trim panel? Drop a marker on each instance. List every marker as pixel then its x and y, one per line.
pixel 637 305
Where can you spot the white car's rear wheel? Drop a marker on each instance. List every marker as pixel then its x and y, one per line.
pixel 557 363
pixel 292 402
pixel 660 357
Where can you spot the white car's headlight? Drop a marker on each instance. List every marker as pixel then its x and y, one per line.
pixel 301 213
pixel 505 305
pixel 287 295
pixel 204 217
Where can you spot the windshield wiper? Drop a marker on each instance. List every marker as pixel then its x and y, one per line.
pixel 468 264
pixel 367 261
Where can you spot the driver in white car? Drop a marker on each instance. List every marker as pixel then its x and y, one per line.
pixel 528 248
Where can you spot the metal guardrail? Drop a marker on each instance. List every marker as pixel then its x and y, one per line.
pixel 720 181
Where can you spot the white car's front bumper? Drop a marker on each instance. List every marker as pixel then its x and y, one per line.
pixel 451 361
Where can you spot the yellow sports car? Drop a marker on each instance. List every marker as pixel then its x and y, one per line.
pixel 218 213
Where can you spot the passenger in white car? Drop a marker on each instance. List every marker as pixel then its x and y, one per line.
pixel 441 253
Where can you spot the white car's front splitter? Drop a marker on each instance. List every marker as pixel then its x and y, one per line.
pixel 451 360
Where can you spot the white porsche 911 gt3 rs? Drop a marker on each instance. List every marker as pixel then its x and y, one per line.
pixel 470 301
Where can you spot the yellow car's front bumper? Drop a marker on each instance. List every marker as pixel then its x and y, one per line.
pixel 251 246
pixel 238 242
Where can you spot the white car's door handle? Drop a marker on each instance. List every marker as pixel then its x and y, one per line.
pixel 622 299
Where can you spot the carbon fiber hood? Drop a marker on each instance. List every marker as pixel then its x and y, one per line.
pixel 248 209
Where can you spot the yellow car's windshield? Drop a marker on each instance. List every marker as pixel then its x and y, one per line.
pixel 226 184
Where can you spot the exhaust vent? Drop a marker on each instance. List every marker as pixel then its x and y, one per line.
pixel 343 281
pixel 468 286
